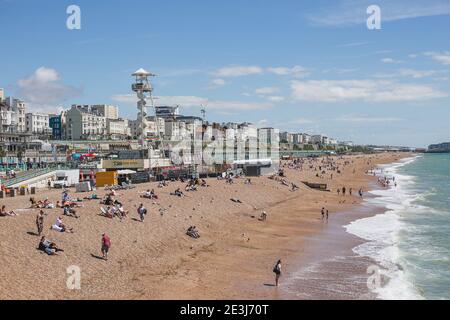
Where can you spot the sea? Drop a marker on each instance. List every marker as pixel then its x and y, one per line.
pixel 410 242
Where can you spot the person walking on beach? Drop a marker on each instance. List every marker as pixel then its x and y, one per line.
pixel 343 191
pixel 142 212
pixel 40 222
pixel 339 191
pixel 277 271
pixel 326 214
pixel 350 191
pixel 106 244
pixel 323 213
pixel 360 192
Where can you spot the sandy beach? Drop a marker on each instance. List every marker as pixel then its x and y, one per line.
pixel 233 258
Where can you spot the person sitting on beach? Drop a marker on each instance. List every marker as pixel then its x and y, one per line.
pixel 60 227
pixel 121 212
pixel 294 187
pixel 48 247
pixel 4 213
pixel 178 193
pixel 192 232
pixel 248 181
pixel 263 216
pixel 70 212
pixel 33 202
pixel 106 212
pixel 108 200
pixel 149 194
pixel 65 196
pixel 204 184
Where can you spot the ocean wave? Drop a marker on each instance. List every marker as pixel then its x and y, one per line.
pixel 382 233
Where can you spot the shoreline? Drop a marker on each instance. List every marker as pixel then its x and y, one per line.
pixel 233 259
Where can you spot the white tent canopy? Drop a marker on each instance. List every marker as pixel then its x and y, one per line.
pixel 125 172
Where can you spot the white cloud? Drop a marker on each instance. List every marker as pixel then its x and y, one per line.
pixel 267 90
pixel 353 118
pixel 296 71
pixel 219 82
pixel 301 121
pixel 275 98
pixel 194 101
pixel 362 90
pixel 390 60
pixel 238 71
pixel 441 57
pixel 44 91
pixel 417 74
pixel 345 12
pixel 412 73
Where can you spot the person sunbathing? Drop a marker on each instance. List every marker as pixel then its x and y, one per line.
pixel 190 187
pixel 48 247
pixel 4 213
pixel 91 197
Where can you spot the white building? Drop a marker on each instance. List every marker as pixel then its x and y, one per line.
pixel 297 138
pixel 317 139
pixel 172 130
pixel 105 110
pixel 83 124
pixel 306 138
pixel 154 126
pixel 286 137
pixel 247 131
pixel 38 123
pixel 117 129
pixel 12 114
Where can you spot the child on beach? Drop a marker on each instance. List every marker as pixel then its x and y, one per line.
pixel 106 244
pixel 142 212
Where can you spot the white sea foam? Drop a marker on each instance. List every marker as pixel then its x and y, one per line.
pixel 382 233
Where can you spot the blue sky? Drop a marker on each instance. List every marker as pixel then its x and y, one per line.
pixel 302 66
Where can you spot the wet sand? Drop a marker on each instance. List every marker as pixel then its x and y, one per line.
pixel 233 259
